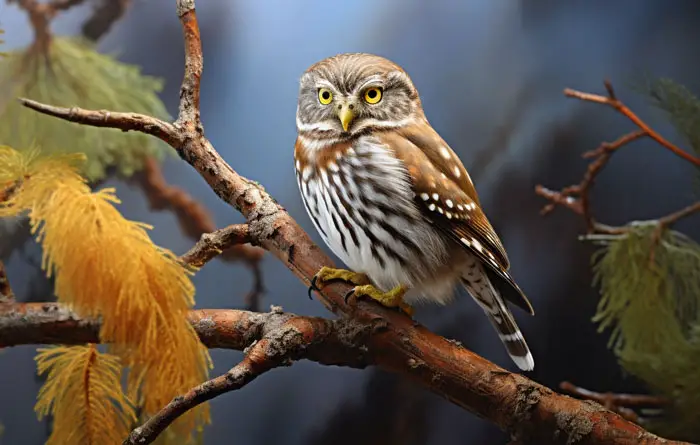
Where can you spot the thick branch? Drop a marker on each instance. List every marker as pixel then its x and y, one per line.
pixel 329 342
pixel 532 412
pixel 528 410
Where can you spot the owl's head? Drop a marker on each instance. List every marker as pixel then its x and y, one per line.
pixel 350 94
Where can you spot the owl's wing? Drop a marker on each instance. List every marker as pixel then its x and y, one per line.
pixel 446 196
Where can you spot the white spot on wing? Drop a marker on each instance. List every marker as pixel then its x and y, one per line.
pixel 458 173
pixel 445 152
pixel 449 203
pixel 436 197
pixel 477 245
pixel 424 196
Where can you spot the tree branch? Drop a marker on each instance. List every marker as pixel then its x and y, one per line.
pixel 577 197
pixel 195 220
pixel 614 102
pixel 619 403
pixel 212 244
pixel 538 414
pixel 330 342
pixel 529 411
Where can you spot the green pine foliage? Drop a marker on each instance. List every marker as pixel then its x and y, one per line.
pixel 652 309
pixel 73 73
pixel 681 107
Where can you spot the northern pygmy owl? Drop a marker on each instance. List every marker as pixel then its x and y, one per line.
pixel 391 198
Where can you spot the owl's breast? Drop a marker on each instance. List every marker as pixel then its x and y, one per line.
pixel 360 199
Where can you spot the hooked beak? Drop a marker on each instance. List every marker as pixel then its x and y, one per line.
pixel 346 115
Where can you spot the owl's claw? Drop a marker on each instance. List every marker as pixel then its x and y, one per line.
pixel 393 298
pixel 327 274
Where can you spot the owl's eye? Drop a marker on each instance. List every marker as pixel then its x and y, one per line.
pixel 373 95
pixel 325 96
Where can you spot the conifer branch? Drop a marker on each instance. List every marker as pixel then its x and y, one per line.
pixel 530 412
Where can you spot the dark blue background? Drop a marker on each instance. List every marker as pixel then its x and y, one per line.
pixel 491 75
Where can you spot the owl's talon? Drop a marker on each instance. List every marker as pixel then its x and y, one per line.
pixel 392 299
pixel 313 287
pixel 327 274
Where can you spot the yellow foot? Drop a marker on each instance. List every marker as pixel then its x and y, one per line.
pixel 393 298
pixel 327 274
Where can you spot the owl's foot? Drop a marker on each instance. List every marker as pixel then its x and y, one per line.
pixel 393 298
pixel 327 274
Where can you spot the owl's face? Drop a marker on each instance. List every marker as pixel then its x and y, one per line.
pixel 349 94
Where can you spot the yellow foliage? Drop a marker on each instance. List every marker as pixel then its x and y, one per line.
pixel 107 265
pixel 83 393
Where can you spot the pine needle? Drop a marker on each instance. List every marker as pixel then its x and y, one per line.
pixel 653 312
pixel 83 394
pixel 105 265
pixel 75 74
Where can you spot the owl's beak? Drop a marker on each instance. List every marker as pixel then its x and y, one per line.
pixel 346 115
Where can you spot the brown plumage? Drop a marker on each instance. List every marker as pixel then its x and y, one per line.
pixel 390 197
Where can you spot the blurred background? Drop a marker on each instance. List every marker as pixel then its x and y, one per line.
pixel 491 75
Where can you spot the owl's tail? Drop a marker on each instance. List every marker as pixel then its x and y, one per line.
pixel 479 286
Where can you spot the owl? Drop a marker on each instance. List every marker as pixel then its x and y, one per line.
pixel 392 200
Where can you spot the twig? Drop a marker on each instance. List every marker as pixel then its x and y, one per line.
pixel 278 347
pixel 577 197
pixel 6 294
pixel 619 403
pixel 212 244
pixel 612 101
pixel 527 410
pixel 667 221
pixel 103 17
pixel 194 218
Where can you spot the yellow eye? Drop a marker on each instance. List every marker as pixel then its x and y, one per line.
pixel 373 95
pixel 325 96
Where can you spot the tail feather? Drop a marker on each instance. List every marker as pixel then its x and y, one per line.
pixel 483 292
